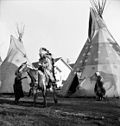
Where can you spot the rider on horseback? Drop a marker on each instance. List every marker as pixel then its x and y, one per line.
pixel 41 78
pixel 46 65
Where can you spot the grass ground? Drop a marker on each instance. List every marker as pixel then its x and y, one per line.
pixel 68 112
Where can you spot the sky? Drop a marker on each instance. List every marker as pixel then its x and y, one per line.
pixel 61 26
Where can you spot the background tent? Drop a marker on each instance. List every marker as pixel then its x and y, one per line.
pixel 100 53
pixel 0 61
pixel 15 57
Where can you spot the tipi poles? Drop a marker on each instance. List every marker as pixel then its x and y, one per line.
pixel 98 5
pixel 20 32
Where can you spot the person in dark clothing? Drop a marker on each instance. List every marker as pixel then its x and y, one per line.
pixel 18 91
pixel 99 89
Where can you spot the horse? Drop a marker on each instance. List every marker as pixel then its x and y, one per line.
pixel 39 82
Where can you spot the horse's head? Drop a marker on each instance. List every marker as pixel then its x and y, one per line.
pixel 22 68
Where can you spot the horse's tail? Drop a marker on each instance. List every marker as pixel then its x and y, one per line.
pixel 53 69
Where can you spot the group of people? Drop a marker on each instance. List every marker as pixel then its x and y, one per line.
pixel 46 67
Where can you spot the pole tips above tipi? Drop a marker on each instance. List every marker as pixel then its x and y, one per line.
pixel 98 6
pixel 20 31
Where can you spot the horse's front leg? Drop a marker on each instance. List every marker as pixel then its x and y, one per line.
pixel 44 91
pixel 34 96
pixel 54 94
pixel 30 92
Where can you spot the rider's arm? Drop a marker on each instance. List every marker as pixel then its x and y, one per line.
pixel 23 78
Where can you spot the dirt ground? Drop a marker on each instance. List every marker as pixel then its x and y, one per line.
pixel 68 112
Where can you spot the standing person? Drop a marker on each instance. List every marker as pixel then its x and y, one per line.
pixel 18 91
pixel 99 89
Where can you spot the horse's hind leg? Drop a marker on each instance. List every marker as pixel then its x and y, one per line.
pixel 54 95
pixel 34 97
pixel 44 96
pixel 30 91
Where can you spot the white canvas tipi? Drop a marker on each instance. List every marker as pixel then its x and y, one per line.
pixel 15 57
pixel 0 69
pixel 101 53
pixel 0 60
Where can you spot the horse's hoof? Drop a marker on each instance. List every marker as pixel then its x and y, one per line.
pixel 97 99
pixel 15 102
pixel 56 101
pixel 34 105
pixel 44 106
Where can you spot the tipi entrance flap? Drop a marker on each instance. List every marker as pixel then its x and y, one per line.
pixel 74 84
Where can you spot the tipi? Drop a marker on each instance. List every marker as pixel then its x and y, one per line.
pixel 0 60
pixel 0 69
pixel 101 53
pixel 15 57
